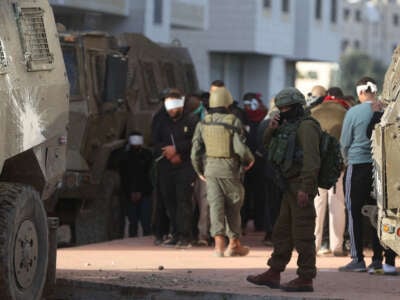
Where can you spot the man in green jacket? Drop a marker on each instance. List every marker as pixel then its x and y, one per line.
pixel 220 138
pixel 293 139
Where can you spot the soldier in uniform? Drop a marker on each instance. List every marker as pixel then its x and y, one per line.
pixel 292 139
pixel 220 138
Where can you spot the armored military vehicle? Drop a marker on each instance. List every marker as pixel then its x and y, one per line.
pixel 386 149
pixel 115 86
pixel 33 115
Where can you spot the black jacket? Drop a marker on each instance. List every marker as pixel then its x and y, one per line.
pixel 135 170
pixel 167 132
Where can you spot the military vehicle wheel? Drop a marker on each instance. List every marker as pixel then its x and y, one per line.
pixel 23 243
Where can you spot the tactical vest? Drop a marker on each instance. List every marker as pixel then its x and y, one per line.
pixel 217 136
pixel 284 151
pixel 287 156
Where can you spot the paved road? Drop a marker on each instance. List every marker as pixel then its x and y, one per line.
pixel 135 269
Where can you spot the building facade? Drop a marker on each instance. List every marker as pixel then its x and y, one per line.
pixel 372 27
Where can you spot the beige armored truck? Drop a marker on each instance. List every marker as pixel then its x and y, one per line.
pixel 386 156
pixel 33 119
pixel 115 86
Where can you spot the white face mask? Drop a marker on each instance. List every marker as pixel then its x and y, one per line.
pixel 136 140
pixel 172 103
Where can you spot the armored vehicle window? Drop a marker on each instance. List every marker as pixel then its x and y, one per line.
pixel 97 67
pixel 190 79
pixel 3 59
pixel 71 64
pixel 151 83
pixel 33 37
pixel 169 73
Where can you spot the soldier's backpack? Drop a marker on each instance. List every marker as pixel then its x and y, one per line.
pixel 282 153
pixel 331 161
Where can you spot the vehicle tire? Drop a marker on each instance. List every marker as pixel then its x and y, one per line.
pixel 23 243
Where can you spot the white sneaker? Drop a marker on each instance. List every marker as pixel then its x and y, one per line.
pixel 389 269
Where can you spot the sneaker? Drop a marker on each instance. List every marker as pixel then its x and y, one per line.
pixel 201 243
pixel 354 266
pixel 389 269
pixel 323 251
pixel 170 242
pixel 339 253
pixel 375 267
pixel 182 244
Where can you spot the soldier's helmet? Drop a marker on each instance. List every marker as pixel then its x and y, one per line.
pixel 289 96
pixel 220 97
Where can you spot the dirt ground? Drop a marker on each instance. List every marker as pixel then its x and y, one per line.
pixel 137 262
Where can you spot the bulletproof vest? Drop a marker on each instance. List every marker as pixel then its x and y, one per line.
pixel 283 150
pixel 217 136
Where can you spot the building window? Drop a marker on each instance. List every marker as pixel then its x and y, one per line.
pixel 395 19
pixel 345 44
pixel 346 14
pixel 158 12
pixel 267 3
pixel 285 6
pixel 318 9
pixel 333 11
pixel 358 15
pixel 356 44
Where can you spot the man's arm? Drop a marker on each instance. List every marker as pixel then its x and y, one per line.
pixel 197 151
pixel 308 135
pixel 346 137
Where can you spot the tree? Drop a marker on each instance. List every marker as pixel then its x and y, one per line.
pixel 356 64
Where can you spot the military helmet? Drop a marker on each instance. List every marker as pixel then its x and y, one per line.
pixel 289 96
pixel 220 97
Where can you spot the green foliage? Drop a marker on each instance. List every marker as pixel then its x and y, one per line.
pixel 357 64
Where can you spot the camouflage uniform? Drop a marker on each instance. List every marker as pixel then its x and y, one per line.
pixel 294 150
pixel 225 192
pixel 295 226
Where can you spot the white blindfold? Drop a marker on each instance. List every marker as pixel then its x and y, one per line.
pixel 136 140
pixel 172 103
pixel 364 87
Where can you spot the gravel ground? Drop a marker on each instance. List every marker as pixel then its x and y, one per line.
pixel 137 263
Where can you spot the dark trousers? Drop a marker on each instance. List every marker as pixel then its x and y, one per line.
pixel 358 187
pixel 272 205
pixel 139 213
pixel 294 228
pixel 176 190
pixel 160 221
pixel 254 201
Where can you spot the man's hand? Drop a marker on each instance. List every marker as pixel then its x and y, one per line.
pixel 302 199
pixel 136 197
pixel 169 151
pixel 248 167
pixel 274 122
pixel 176 159
pixel 202 178
pixel 377 106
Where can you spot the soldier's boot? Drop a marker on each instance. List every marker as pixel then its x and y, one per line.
pixel 298 285
pixel 219 245
pixel 235 248
pixel 270 278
